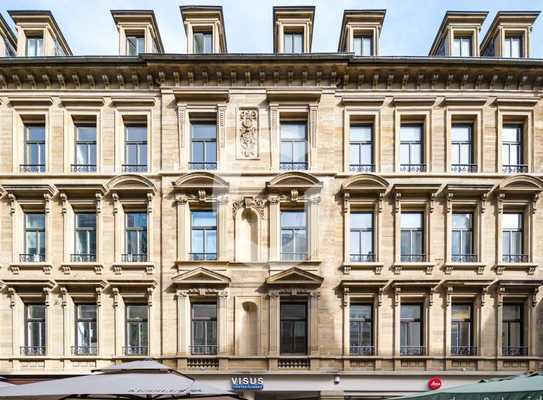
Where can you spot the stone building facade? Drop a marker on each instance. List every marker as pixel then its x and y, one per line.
pixel 339 224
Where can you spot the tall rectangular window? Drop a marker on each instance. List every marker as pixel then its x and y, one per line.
pixel 85 148
pixel 462 330
pixel 411 330
pixel 512 149
pixel 135 156
pixel 202 42
pixel 293 327
pixel 204 328
pixel 462 46
pixel 412 237
pixel 135 44
pixel 512 238
pixel 293 42
pixel 513 330
pixel 412 148
pixel 34 238
pixel 363 45
pixel 86 335
pixel 136 246
pixel 35 330
pixel 361 225
pixel 462 148
pixel 462 238
pixel 293 235
pixel 35 150
pixel 361 148
pixel 34 46
pixel 361 329
pixel 512 46
pixel 85 237
pixel 137 330
pixel 293 146
pixel 204 235
pixel 203 145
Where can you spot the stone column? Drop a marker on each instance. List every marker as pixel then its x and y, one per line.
pixel 448 321
pixel 65 322
pixel 222 301
pixel 99 228
pixel 275 301
pixel 396 331
pixel 314 323
pixel 183 319
pixel 314 227
pixel 117 225
pixel 397 227
pixel 48 228
pixel 499 244
pixel 346 321
pixel 274 227
pixel 223 223
pixel 117 323
pixel 448 229
pixel 99 321
pixel 181 201
pixel 66 229
pixel 499 320
pixel 49 337
pixel 150 227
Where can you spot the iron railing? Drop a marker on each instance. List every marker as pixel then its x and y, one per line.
pixel 32 167
pixel 515 258
pixel 83 257
pixel 412 167
pixel 293 256
pixel 413 257
pixel 208 165
pixel 31 257
pixel 136 350
pixel 33 350
pixel 204 350
pixel 83 167
pixel 514 168
pixel 464 350
pixel 362 168
pixel 464 168
pixel 363 257
pixel 134 167
pixel 293 166
pixel 514 351
pixel 362 350
pixel 412 350
pixel 134 257
pixel 463 258
pixel 84 350
pixel 203 256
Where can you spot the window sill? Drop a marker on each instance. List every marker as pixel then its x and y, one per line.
pixel 428 266
pixel 148 266
pixel 454 266
pixel 183 265
pixel 46 267
pixel 67 267
pixel 375 265
pixel 529 267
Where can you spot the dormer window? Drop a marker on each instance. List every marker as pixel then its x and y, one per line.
pixel 135 44
pixel 363 45
pixel 293 42
pixel 512 46
pixel 462 46
pixel 203 42
pixel 34 45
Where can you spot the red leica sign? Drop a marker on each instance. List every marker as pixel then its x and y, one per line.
pixel 434 383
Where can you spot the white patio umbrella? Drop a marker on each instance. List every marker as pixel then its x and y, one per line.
pixel 135 380
pixel 4 384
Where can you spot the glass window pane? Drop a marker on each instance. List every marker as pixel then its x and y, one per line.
pixel 136 133
pixel 461 132
pixel 204 219
pixel 35 221
pixel 361 220
pixel 293 219
pixel 411 220
pixel 416 154
pixel 293 130
pixel 512 221
pixel 462 220
pixel 136 312
pixel 202 130
pixel 411 132
pixel 361 132
pixel 299 152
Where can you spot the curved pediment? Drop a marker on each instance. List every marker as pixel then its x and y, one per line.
pixel 294 276
pixel 201 276
pixel 294 180
pixel 132 183
pixel 200 180
pixel 520 184
pixel 365 183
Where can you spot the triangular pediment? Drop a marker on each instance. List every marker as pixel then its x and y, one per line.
pixel 365 183
pixel 294 180
pixel 201 276
pixel 294 276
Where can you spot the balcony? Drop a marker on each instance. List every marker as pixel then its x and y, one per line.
pixel 83 167
pixel 362 350
pixel 84 350
pixel 412 350
pixel 515 351
pixel 413 168
pixel 464 350
pixel 134 257
pixel 464 258
pixel 33 350
pixel 293 256
pixel 362 168
pixel 463 168
pixel 362 257
pixel 204 350
pixel 293 166
pixel 83 257
pixel 203 165
pixel 514 168
pixel 134 167
pixel 203 256
pixel 135 350
pixel 32 257
pixel 32 167
pixel 413 257
pixel 515 258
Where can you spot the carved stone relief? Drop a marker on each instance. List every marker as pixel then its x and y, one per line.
pixel 247 134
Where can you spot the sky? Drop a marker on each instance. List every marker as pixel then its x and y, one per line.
pixel 408 30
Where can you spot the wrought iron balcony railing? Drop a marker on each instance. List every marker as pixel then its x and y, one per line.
pixel 413 257
pixel 203 256
pixel 464 168
pixel 84 350
pixel 292 256
pixel 412 350
pixel 83 257
pixel 32 167
pixel 362 350
pixel 413 168
pixel 515 351
pixel 31 257
pixel 464 258
pixel 514 168
pixel 464 350
pixel 136 350
pixel 362 168
pixel 33 350
pixel 362 257
pixel 515 258
pixel 208 165
pixel 134 167
pixel 134 257
pixel 293 166
pixel 83 167
pixel 204 350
